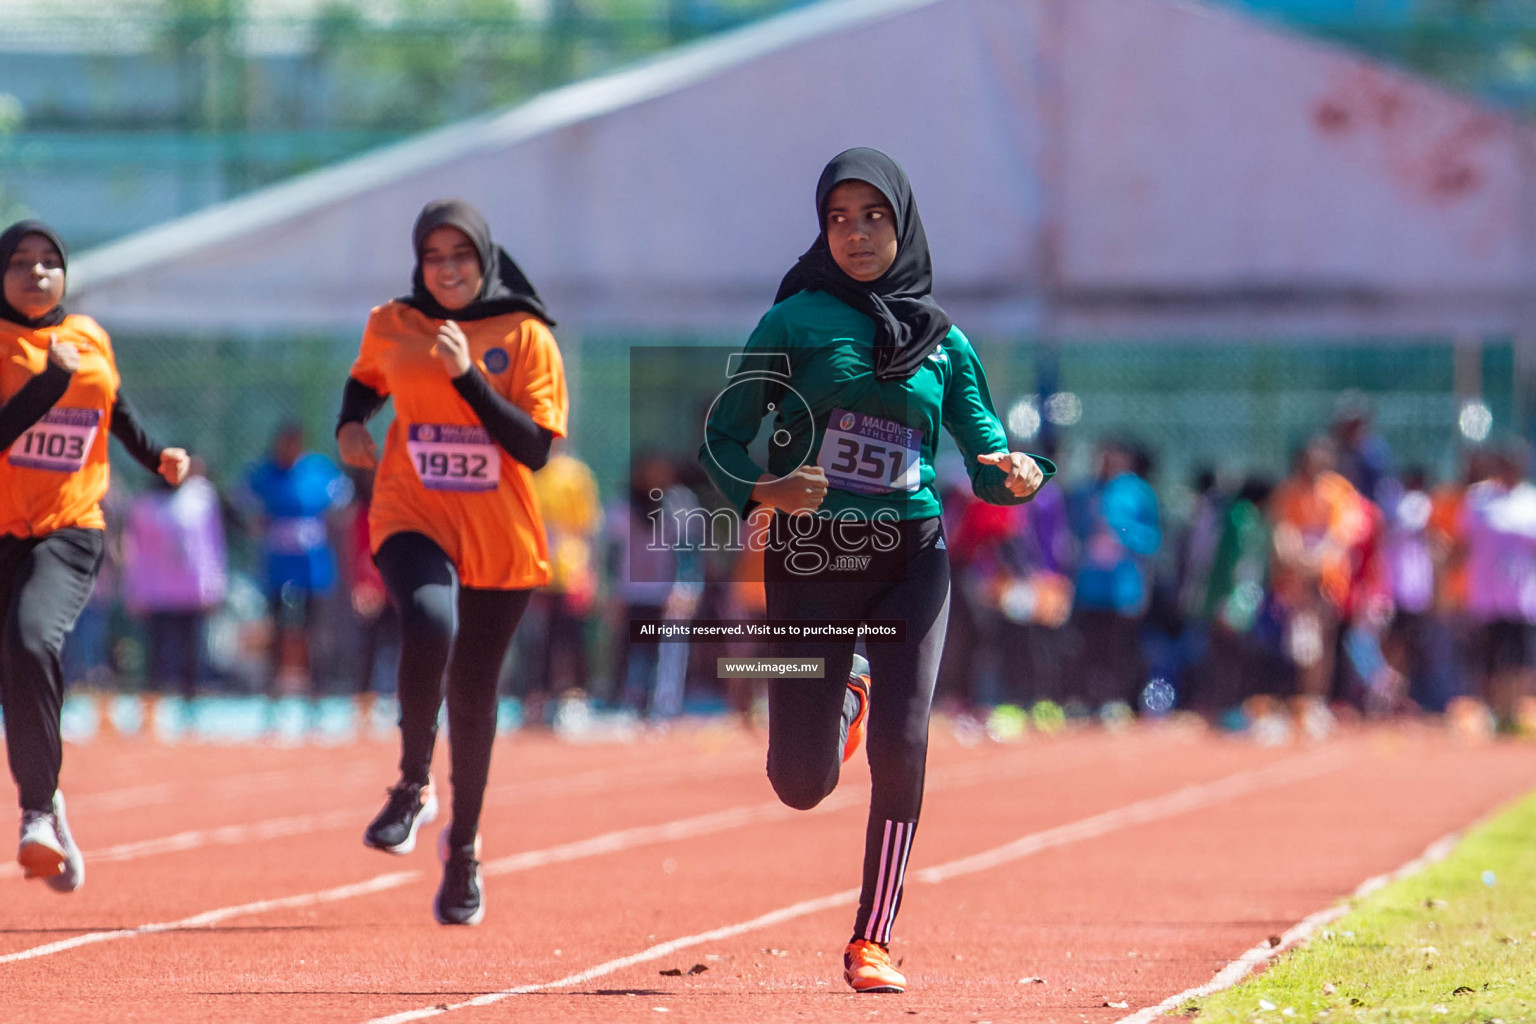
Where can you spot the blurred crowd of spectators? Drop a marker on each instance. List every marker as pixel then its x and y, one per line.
pixel 1349 586
pixel 1343 588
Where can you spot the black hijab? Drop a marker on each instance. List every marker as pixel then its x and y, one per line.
pixel 10 241
pixel 908 323
pixel 504 288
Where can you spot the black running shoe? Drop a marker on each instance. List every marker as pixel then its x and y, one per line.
pixel 409 807
pixel 459 899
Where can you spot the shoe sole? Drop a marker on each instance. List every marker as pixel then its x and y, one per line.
pixel 427 816
pixel 474 919
pixel 875 989
pixel 39 860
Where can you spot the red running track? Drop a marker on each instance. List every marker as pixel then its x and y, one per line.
pixel 1121 869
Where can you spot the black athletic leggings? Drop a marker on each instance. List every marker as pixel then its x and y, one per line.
pixel 465 630
pixel 44 583
pixel 808 718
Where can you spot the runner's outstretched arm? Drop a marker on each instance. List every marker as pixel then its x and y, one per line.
pixel 131 435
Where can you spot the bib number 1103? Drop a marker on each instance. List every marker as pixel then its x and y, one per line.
pixel 59 442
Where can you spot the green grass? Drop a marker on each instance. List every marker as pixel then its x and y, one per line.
pixel 1441 946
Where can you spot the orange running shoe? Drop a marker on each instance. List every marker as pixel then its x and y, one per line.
pixel 858 683
pixel 867 967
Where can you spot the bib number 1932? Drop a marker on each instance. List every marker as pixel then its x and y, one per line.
pixel 449 457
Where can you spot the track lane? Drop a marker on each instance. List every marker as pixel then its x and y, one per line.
pixel 1099 899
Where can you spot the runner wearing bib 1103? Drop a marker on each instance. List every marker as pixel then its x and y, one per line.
pixel 60 396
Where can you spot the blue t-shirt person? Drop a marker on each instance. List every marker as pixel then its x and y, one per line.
pixel 1118 529
pixel 295 493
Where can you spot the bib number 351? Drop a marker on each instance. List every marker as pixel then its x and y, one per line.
pixel 448 457
pixel 871 455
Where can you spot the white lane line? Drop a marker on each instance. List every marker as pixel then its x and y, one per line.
pixel 685 828
pixel 1302 930
pixel 296 825
pixel 1155 808
pixel 611 842
pixel 305 824
pixel 750 814
pixel 125 799
pixel 209 918
pixel 655 952
pixel 1181 801
pixel 228 835
pixel 604 780
pixel 134 797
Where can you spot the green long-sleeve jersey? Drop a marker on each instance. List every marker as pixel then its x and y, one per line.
pixel 810 362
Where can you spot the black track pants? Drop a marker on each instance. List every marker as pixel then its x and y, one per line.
pixel 808 718
pixel 44 583
pixel 461 629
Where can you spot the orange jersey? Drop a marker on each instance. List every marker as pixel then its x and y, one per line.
pixel 441 475
pixel 55 475
pixel 1332 520
pixel 1452 576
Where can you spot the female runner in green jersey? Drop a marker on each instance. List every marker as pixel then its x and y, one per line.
pixel 869 368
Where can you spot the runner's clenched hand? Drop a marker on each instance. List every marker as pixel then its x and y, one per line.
pixel 63 354
pixel 1024 474
pixel 452 348
pixel 799 493
pixel 357 447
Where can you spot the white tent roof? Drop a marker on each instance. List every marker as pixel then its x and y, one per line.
pixel 1153 165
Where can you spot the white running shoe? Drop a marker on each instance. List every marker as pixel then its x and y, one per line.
pixel 48 851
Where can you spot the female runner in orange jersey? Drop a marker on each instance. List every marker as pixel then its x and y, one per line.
pixel 60 395
pixel 479 392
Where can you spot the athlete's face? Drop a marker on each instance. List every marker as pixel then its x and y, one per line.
pixel 861 230
pixel 34 278
pixel 450 266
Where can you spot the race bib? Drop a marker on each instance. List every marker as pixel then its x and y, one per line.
pixel 448 457
pixel 58 442
pixel 871 455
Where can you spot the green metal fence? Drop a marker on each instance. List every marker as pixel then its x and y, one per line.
pixel 1238 405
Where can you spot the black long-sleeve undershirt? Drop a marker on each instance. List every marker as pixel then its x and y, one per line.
pixel 130 433
pixel 359 403
pixel 40 394
pixel 509 426
pixel 31 403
